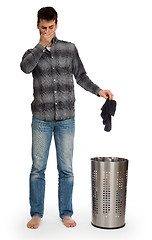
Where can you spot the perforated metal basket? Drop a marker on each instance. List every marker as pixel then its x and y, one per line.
pixel 109 187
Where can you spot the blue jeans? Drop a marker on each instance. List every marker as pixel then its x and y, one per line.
pixel 42 132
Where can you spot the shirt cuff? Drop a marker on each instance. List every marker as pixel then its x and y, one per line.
pixel 98 90
pixel 40 47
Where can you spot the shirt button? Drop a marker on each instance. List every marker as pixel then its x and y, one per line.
pixel 54 80
pixel 56 103
pixel 54 91
pixel 52 57
pixel 53 68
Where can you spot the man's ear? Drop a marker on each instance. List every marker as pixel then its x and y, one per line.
pixel 56 26
pixel 37 25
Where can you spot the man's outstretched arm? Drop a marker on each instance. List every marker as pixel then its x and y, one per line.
pixel 84 81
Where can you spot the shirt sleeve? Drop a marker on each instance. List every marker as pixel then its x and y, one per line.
pixel 81 76
pixel 31 58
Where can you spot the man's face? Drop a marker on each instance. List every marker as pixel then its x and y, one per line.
pixel 45 26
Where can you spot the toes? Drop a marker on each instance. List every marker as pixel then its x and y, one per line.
pixel 73 225
pixel 29 225
pixel 32 226
pixel 69 223
pixel 36 226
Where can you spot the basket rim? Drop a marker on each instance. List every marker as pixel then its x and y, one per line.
pixel 109 159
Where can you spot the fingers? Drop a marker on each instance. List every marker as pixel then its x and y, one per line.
pixel 46 38
pixel 106 94
pixel 109 94
pixel 48 35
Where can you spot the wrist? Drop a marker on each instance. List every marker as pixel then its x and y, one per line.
pixel 42 44
pixel 100 93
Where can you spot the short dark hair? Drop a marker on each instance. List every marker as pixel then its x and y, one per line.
pixel 47 13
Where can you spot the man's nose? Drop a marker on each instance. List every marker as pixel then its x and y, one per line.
pixel 46 30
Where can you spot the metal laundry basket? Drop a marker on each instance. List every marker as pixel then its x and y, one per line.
pixel 109 187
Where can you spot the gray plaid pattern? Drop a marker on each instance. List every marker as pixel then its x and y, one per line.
pixel 53 86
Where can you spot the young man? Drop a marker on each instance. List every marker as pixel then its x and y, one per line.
pixel 53 63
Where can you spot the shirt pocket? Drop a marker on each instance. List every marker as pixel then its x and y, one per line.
pixel 64 65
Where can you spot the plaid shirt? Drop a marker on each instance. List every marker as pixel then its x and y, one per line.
pixel 53 85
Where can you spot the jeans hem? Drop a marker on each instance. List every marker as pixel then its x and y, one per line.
pixel 36 215
pixel 66 215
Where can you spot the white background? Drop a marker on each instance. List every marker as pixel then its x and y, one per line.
pixel 114 39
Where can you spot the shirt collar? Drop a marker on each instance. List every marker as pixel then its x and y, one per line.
pixel 54 40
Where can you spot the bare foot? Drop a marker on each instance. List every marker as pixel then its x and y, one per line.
pixel 34 222
pixel 68 222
